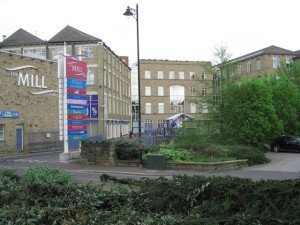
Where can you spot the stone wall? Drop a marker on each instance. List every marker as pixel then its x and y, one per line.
pixel 100 153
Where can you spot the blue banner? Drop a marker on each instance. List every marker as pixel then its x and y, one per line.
pixel 74 96
pixel 72 106
pixel 77 122
pixel 76 84
pixel 77 132
pixel 9 114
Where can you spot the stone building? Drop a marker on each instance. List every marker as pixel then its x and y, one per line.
pixel 263 61
pixel 168 88
pixel 108 80
pixel 28 104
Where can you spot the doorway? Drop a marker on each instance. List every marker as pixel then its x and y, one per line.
pixel 19 138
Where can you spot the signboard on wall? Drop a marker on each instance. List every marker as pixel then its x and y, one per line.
pixel 9 114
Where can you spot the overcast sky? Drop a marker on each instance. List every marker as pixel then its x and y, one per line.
pixel 169 29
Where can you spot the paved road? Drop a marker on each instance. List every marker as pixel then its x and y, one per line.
pixel 283 166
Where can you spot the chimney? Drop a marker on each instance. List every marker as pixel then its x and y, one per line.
pixel 4 37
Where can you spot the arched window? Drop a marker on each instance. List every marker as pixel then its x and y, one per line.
pixel 177 99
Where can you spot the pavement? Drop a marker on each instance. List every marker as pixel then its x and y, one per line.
pixel 283 166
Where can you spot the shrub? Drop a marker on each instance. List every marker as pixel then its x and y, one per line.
pixel 176 154
pixel 48 181
pixel 126 150
pixel 253 154
pixel 9 185
pixel 214 150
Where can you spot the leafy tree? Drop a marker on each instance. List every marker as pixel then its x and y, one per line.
pixel 286 98
pixel 248 113
pixel 292 72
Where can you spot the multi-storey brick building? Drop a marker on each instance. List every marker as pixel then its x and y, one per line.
pixel 28 104
pixel 168 88
pixel 108 80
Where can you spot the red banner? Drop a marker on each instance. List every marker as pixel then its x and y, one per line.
pixel 77 127
pixel 76 69
pixel 76 91
pixel 76 117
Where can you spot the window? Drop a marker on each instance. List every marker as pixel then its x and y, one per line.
pixel 148 91
pixel 148 125
pixel 105 78
pixel 216 80
pixel 193 107
pixel 239 69
pixel 109 105
pixel 288 61
pixel 204 91
pixel 181 75
pixel 276 62
pixel 192 75
pixel 160 123
pixel 109 79
pixel 204 108
pixel 36 53
pixel 87 51
pixel 160 91
pixel 56 52
pixel 90 76
pixel 203 76
pixel 92 129
pixel 248 66
pixel 147 75
pixel 177 98
pixel 171 75
pixel 161 108
pixel 1 132
pixel 160 75
pixel 258 64
pixel 148 108
pixel 193 91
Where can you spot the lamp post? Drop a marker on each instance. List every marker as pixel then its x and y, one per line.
pixel 135 13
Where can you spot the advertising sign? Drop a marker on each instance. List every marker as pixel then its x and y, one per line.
pixel 76 69
pixel 92 106
pixel 76 110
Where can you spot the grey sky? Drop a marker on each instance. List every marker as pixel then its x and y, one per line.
pixel 169 29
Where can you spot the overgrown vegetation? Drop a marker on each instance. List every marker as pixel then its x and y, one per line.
pixel 181 200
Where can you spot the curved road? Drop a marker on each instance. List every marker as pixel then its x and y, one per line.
pixel 282 166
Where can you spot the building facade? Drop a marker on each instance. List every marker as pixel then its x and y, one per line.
pixel 108 79
pixel 169 88
pixel 28 104
pixel 263 61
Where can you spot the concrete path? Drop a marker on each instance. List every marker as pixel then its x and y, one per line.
pixel 283 166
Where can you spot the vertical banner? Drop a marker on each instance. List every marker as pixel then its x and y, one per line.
pixel 92 106
pixel 75 100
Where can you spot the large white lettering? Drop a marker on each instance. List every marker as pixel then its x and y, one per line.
pixel 24 80
pixel 32 80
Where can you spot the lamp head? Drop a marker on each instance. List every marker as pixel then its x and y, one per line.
pixel 128 12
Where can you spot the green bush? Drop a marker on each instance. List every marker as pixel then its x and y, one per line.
pixel 126 150
pixel 175 154
pixel 48 181
pixel 10 187
pixel 183 200
pixel 253 154
pixel 214 150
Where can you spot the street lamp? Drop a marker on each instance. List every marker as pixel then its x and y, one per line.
pixel 135 13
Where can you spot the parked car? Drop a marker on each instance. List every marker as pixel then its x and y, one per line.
pixel 286 143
